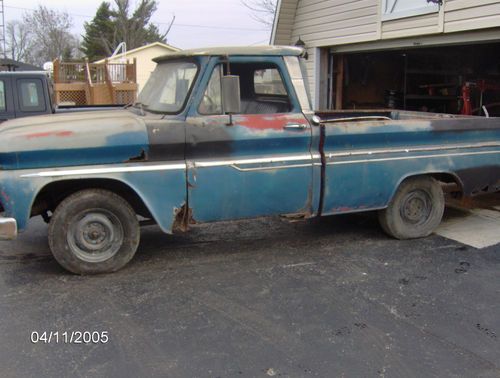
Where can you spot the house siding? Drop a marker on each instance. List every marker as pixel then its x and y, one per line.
pixel 411 26
pixel 285 18
pixel 462 15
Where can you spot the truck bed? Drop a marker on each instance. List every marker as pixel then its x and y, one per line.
pixel 368 153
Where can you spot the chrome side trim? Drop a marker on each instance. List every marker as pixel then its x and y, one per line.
pixel 100 171
pixel 178 166
pixel 411 157
pixel 271 167
pixel 330 155
pixel 268 160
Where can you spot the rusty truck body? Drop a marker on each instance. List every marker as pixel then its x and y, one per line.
pixel 229 133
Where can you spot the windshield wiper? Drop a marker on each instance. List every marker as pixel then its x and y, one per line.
pixel 138 105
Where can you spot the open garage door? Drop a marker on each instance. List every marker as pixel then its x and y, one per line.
pixel 459 79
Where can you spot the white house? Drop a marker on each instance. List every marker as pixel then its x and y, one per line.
pixel 143 56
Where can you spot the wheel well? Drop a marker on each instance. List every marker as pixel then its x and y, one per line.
pixel 450 182
pixel 52 194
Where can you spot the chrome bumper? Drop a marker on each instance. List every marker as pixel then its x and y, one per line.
pixel 8 228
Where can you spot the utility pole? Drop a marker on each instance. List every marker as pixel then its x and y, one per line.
pixel 2 29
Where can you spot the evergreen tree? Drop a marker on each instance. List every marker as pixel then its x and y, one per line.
pixel 98 41
pixel 110 27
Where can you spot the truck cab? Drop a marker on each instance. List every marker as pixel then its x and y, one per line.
pixel 24 94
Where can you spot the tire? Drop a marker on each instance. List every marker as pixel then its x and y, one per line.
pixel 93 231
pixel 416 209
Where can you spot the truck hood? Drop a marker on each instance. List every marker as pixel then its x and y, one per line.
pixel 70 139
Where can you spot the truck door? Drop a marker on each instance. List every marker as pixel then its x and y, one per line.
pixel 259 163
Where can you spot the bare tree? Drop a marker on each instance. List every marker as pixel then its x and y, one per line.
pixel 19 41
pixel 262 11
pixel 51 35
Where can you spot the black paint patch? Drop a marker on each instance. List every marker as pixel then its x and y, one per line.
pixel 208 139
pixel 480 180
pixel 166 140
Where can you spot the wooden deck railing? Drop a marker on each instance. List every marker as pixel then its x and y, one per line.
pixel 84 83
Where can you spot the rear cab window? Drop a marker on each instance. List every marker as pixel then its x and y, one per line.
pixel 30 94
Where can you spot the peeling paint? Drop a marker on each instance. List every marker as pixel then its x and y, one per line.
pixel 141 157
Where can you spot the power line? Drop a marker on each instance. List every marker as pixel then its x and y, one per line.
pixel 159 23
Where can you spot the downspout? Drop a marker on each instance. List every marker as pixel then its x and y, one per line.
pixel 275 22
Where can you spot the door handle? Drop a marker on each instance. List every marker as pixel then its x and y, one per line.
pixel 295 126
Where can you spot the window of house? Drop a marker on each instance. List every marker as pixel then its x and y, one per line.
pixel 31 97
pixel 2 96
pixel 393 9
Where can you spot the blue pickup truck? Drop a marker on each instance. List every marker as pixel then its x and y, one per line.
pixel 229 133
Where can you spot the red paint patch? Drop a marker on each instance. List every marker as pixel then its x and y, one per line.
pixel 5 196
pixel 266 121
pixel 49 133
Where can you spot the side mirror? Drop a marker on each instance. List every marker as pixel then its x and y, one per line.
pixel 231 94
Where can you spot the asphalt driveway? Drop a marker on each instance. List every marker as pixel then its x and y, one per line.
pixel 258 298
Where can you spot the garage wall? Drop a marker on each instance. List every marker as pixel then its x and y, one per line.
pixel 320 22
pixel 410 26
pixel 337 22
pixel 461 15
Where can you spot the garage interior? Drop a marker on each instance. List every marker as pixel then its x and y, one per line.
pixel 445 79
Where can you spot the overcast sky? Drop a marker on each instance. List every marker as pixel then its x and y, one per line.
pixel 198 23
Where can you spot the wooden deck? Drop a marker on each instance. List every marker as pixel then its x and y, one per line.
pixel 84 83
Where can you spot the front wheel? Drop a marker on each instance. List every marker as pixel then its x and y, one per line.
pixel 93 231
pixel 416 209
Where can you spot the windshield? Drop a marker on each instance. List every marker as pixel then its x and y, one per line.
pixel 168 86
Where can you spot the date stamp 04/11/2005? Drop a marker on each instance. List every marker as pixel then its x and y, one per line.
pixel 69 337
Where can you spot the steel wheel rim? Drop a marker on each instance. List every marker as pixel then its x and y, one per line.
pixel 416 207
pixel 95 235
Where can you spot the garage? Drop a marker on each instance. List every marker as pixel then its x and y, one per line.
pixel 424 55
pixel 458 79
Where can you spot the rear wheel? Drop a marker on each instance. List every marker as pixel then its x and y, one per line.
pixel 93 231
pixel 416 209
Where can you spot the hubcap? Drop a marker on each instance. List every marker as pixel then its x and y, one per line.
pixel 95 235
pixel 416 207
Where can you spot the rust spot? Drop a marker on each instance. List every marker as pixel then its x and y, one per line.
pixel 183 218
pixel 305 212
pixel 342 209
pixel 49 133
pixel 295 217
pixel 134 159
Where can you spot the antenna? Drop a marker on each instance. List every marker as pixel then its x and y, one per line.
pixel 121 47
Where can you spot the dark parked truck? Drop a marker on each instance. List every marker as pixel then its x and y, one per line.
pixel 222 134
pixel 24 94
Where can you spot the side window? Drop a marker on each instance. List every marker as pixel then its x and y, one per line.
pixel 31 95
pixel 211 102
pixel 268 82
pixel 2 96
